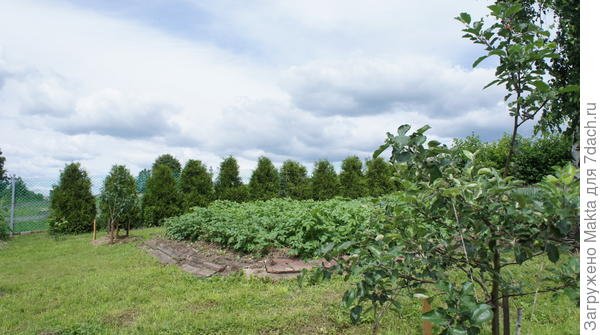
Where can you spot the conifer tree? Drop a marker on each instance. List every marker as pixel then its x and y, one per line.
pixel 352 180
pixel 229 185
pixel 325 183
pixel 141 180
pixel 169 161
pixel 162 198
pixel 72 204
pixel 379 177
pixel 294 181
pixel 264 182
pixel 196 185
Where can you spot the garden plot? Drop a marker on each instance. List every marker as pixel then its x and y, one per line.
pixel 203 260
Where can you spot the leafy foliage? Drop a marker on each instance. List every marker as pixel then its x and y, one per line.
pixel 352 180
pixel 294 181
pixel 451 217
pixel 534 158
pixel 162 198
pixel 229 185
pixel 72 205
pixel 171 162
pixel 379 177
pixel 256 227
pixel 196 185
pixel 324 182
pixel 119 206
pixel 264 182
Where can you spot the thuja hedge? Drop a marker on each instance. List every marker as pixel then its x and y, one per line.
pixel 302 226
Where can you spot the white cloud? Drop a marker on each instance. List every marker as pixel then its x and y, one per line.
pixel 308 80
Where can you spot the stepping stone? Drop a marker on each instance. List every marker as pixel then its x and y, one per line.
pixel 284 265
pixel 162 257
pixel 197 271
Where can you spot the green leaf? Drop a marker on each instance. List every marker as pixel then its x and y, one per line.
pixel 423 129
pixel 376 252
pixel 469 155
pixel 465 18
pixel 403 129
pixel 355 314
pixel 479 60
pixel 380 150
pixel 457 331
pixel 435 317
pixel 553 254
pixel 481 314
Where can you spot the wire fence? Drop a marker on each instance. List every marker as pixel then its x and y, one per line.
pixel 25 202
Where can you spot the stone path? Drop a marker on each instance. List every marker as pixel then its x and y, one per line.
pixel 204 260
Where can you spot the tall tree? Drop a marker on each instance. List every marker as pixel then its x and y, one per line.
pixel 119 206
pixel 196 185
pixel 228 185
pixel 141 180
pixel 352 180
pixel 379 177
pixel 324 182
pixel 264 182
pixel 294 181
pixel 72 204
pixel 162 198
pixel 170 162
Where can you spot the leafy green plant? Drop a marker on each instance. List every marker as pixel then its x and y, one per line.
pixel 72 205
pixel 451 218
pixel 259 226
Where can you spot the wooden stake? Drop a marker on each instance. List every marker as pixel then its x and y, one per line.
pixel 94 237
pixel 427 326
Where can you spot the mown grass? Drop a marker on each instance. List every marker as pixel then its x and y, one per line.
pixel 68 286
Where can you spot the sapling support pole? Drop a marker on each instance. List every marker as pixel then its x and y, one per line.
pixel 427 325
pixel 94 235
pixel 13 180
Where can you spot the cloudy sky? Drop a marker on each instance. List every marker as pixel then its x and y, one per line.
pixel 122 81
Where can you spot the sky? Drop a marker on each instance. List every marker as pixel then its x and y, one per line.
pixel 123 81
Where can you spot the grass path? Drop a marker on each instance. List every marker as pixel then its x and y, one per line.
pixel 68 286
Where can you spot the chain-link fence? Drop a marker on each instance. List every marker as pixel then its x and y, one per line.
pixel 25 202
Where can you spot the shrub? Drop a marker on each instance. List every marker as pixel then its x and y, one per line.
pixel 379 177
pixel 118 201
pixel 72 205
pixel 162 198
pixel 324 181
pixel 294 181
pixel 264 182
pixel 4 232
pixel 229 185
pixel 196 185
pixel 169 161
pixel 352 180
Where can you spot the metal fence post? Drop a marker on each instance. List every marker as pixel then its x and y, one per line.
pixel 12 204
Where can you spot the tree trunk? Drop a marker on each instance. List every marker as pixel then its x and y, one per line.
pixel 505 314
pixel 495 289
pixel 511 149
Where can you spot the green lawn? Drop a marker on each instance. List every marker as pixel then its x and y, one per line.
pixel 68 286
